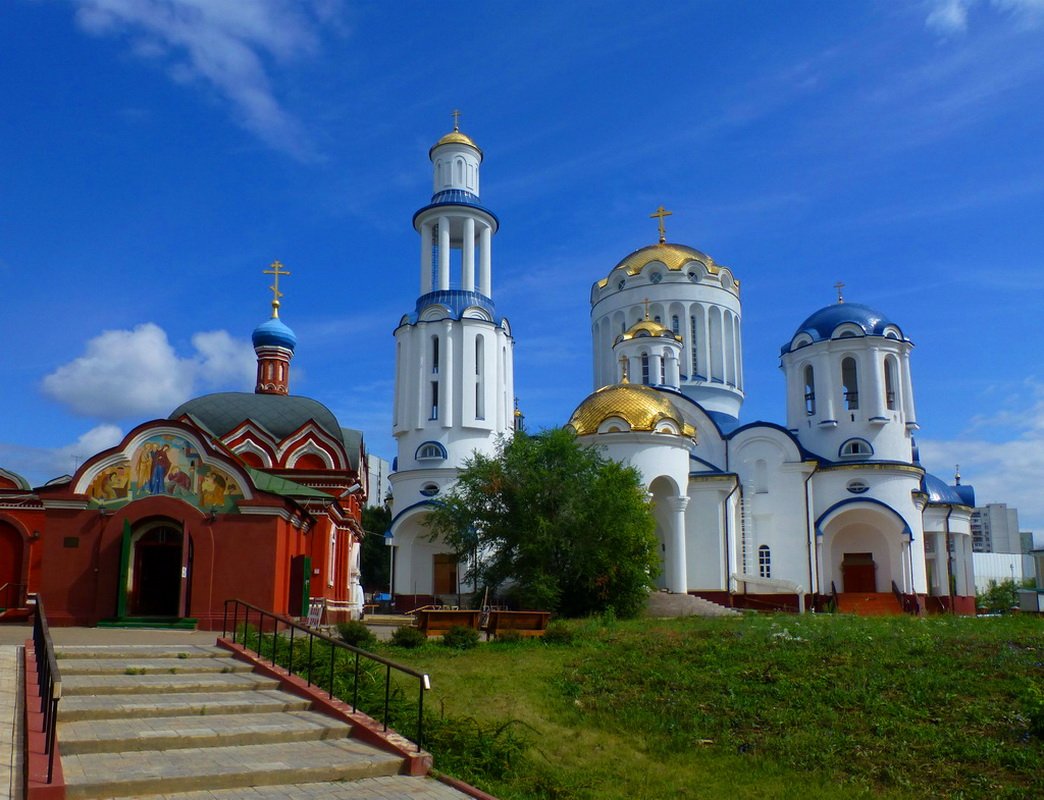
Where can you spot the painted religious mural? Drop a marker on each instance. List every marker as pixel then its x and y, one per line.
pixel 165 464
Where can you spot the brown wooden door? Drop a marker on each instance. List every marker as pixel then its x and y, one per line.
pixel 858 573
pixel 445 565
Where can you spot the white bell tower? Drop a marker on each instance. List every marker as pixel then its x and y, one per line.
pixel 454 378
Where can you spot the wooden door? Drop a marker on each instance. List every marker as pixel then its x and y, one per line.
pixel 445 565
pixel 858 573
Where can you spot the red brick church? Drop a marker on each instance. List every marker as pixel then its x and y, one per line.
pixel 255 496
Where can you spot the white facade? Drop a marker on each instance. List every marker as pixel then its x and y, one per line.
pixel 836 501
pixel 454 378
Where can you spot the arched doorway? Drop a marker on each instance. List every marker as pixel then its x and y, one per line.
pixel 155 579
pixel 662 490
pixel 864 548
pixel 12 559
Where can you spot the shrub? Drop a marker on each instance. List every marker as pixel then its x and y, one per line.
pixel 357 634
pixel 558 633
pixel 408 637
pixel 510 636
pixel 460 638
pixel 1033 701
pixel 999 598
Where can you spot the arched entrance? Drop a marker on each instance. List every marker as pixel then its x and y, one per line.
pixel 863 547
pixel 156 561
pixel 661 490
pixel 12 559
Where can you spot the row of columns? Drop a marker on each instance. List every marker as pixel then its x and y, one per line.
pixel 468 245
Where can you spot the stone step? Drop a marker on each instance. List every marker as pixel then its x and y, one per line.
pixel 391 787
pixel 149 666
pixel 97 775
pixel 138 651
pixel 164 683
pixel 107 706
pixel 218 730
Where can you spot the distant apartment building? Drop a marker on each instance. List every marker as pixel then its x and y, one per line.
pixel 995 529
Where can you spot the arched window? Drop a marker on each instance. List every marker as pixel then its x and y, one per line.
pixel 645 368
pixel 760 476
pixel 693 341
pixel 460 170
pixel 675 324
pixel 430 451
pixel 890 383
pixel 810 390
pixel 856 448
pixel 434 355
pixel 764 561
pixel 850 383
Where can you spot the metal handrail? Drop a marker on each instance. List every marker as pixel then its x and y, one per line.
pixel 424 682
pixel 5 591
pixel 49 681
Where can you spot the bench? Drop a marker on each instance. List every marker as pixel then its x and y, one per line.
pixel 525 623
pixel 436 621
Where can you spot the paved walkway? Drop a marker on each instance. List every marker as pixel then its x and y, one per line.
pixel 10 722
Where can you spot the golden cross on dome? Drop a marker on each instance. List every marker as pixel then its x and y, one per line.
pixel 623 370
pixel 661 212
pixel 456 119
pixel 645 303
pixel 839 286
pixel 276 269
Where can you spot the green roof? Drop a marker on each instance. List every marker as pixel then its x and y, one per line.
pixel 279 414
pixel 283 487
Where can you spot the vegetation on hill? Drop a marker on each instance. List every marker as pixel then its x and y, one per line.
pixel 756 707
pixel 559 526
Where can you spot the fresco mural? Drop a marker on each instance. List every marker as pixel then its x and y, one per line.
pixel 165 464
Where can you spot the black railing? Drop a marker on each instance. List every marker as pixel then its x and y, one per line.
pixel 49 679
pixel 12 595
pixel 242 613
pixel 908 602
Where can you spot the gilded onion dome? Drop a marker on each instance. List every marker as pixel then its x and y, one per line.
pixel 647 327
pixel 455 137
pixel 673 256
pixel 641 407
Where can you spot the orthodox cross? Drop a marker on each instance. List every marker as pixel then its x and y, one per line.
pixel 839 286
pixel 645 303
pixel 623 370
pixel 456 119
pixel 661 212
pixel 276 269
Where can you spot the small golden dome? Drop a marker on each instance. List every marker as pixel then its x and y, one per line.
pixel 673 256
pixel 641 407
pixel 647 327
pixel 455 137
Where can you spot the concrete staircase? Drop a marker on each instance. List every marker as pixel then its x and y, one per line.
pixel 869 604
pixel 668 604
pixel 190 722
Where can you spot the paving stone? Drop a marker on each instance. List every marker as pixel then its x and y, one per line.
pixel 143 684
pixel 118 651
pixel 177 704
pixel 137 665
pixel 393 787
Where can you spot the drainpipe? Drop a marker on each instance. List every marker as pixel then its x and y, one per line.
pixel 725 514
pixel 950 588
pixel 810 542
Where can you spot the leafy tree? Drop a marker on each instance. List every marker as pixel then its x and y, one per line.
pixel 559 526
pixel 373 563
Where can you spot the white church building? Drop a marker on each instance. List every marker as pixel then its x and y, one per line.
pixel 835 507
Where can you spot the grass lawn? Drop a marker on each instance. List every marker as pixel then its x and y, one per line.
pixel 764 706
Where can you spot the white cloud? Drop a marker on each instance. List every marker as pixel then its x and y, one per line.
pixel 40 464
pixel 224 44
pixel 127 374
pixel 1009 470
pixel 948 17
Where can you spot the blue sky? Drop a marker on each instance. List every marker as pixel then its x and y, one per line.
pixel 157 155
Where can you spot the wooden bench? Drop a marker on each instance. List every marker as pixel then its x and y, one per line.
pixel 525 623
pixel 436 621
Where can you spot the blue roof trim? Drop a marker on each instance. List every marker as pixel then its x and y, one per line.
pixel 939 491
pixel 806 455
pixel 457 197
pixel 407 509
pixel 707 464
pixel 422 445
pixel 862 500
pixel 457 301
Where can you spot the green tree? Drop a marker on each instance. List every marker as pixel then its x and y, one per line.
pixel 559 526
pixel 373 562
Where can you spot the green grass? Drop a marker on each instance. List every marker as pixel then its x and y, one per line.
pixel 756 707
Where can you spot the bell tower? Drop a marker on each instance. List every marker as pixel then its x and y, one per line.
pixel 454 386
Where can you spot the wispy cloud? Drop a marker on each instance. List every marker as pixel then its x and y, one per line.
pixel 224 45
pixel 1003 455
pixel 41 464
pixel 949 18
pixel 127 374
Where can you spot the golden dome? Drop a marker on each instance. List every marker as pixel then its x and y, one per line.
pixel 455 137
pixel 673 256
pixel 647 327
pixel 641 407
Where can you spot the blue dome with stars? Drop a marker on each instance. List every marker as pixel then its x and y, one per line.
pixel 273 333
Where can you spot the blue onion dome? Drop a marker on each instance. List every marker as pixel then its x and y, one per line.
pixel 273 333
pixel 939 491
pixel 841 320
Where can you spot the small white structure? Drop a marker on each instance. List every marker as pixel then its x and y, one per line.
pixel 454 392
